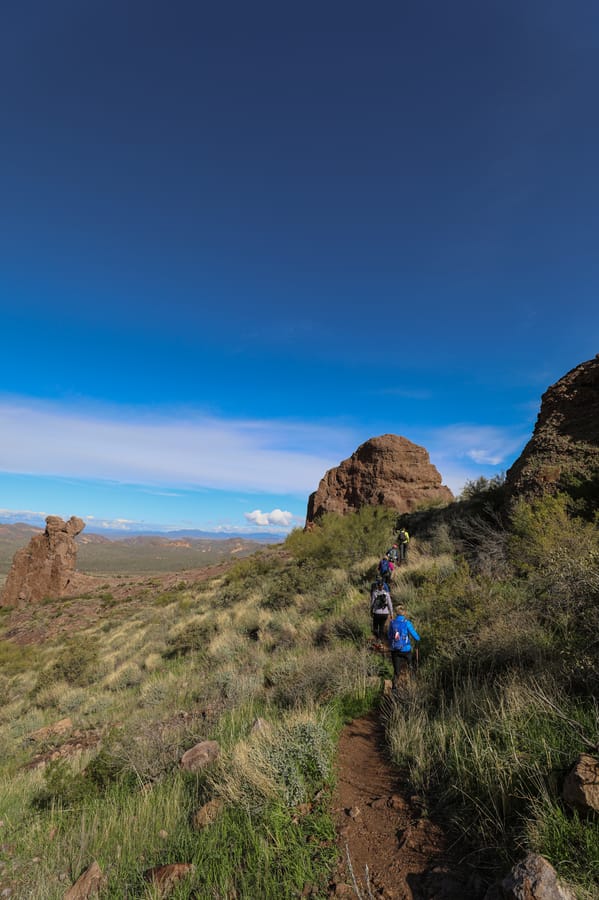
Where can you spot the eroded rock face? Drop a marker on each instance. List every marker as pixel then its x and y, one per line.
pixel 581 785
pixel 565 441
pixel 44 567
pixel 384 471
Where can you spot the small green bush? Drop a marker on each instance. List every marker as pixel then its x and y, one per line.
pixel 343 540
pixel 63 787
pixel 193 638
pixel 75 664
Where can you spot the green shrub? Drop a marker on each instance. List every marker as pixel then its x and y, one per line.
pixel 287 762
pixel 343 540
pixel 63 786
pixel 193 638
pixel 484 489
pixel 76 663
pixel 558 554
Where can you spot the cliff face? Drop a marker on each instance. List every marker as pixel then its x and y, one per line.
pixel 44 567
pixel 564 446
pixel 384 471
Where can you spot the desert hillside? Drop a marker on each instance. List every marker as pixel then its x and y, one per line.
pixel 266 659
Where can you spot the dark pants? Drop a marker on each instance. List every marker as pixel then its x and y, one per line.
pixel 401 660
pixel 403 552
pixel 379 625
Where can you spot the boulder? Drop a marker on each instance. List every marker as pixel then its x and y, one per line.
pixel 386 471
pixel 165 879
pixel 200 756
pixel 581 785
pixel 564 446
pixel 44 567
pixel 87 885
pixel 533 878
pixel 207 814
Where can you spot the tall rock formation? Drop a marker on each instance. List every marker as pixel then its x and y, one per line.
pixel 44 567
pixel 384 471
pixel 564 447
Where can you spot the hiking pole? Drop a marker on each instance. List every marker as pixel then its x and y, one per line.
pixel 417 658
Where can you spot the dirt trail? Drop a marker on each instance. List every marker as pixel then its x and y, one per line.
pixel 393 849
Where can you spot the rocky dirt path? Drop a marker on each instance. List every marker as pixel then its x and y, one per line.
pixel 388 846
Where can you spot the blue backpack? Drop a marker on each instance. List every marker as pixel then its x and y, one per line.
pixel 400 637
pixel 384 566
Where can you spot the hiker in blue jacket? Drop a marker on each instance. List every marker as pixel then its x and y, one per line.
pixel 385 568
pixel 399 633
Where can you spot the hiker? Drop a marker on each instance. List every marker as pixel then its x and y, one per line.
pixel 404 539
pixel 381 607
pixel 378 584
pixel 392 554
pixel 399 633
pixel 385 569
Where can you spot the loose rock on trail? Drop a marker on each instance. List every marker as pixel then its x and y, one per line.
pixel 388 846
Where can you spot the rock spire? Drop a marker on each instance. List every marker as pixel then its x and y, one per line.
pixel 44 567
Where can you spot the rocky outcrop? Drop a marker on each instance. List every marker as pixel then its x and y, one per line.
pixel 581 785
pixel 564 449
pixel 384 471
pixel 44 567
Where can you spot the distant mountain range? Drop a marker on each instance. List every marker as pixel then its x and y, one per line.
pixel 35 523
pixel 126 553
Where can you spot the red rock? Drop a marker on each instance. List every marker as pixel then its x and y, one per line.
pixel 207 814
pixel 200 756
pixel 386 471
pixel 166 878
pixel 87 885
pixel 44 567
pixel 581 785
pixel 55 730
pixel 532 879
pixel 565 440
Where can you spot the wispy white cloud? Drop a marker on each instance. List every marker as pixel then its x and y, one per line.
pixel 22 515
pixel 275 517
pixel 114 524
pixel 463 452
pixel 188 450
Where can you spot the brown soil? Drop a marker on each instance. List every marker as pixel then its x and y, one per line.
pixel 85 602
pixel 388 846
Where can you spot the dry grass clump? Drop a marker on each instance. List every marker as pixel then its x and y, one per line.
pixel 150 750
pixel 288 760
pixel 98 705
pixel 238 686
pixel 319 675
pixel 154 660
pixel 61 697
pixel 126 676
pixel 158 689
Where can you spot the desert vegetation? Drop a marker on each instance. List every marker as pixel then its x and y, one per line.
pixel 270 659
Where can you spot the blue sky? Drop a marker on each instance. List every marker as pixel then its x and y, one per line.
pixel 237 240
